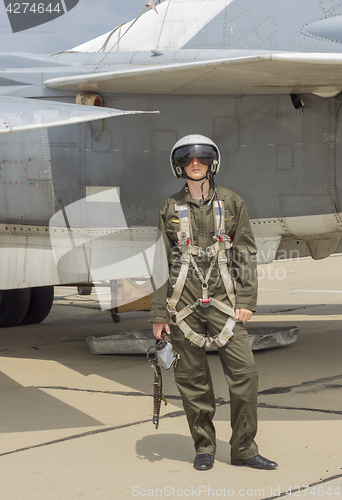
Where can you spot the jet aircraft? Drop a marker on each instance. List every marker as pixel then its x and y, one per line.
pixel 262 78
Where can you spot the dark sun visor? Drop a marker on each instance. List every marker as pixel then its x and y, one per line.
pixel 204 153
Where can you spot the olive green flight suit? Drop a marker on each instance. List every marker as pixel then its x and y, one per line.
pixel 192 374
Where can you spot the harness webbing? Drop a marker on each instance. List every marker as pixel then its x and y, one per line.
pixel 217 253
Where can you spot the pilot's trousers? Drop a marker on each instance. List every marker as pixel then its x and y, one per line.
pixel 194 382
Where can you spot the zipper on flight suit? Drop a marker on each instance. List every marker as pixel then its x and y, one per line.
pixel 244 432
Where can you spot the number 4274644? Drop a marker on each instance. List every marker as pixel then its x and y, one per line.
pixel 35 8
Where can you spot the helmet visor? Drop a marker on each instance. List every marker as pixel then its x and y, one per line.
pixel 205 154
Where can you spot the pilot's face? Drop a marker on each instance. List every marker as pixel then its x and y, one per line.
pixel 196 169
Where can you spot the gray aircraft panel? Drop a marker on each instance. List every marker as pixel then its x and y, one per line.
pixel 272 158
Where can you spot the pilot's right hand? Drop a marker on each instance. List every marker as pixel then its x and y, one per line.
pixel 158 328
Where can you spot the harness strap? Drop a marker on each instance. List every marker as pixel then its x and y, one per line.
pixel 225 335
pixel 219 216
pixel 219 340
pixel 186 311
pixel 177 291
pixel 195 338
pixel 223 307
pixel 188 250
pixel 226 278
pixel 222 258
pixel 211 251
pixel 184 233
pixel 180 315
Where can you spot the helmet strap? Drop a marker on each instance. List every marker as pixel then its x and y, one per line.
pixel 195 180
pixel 202 190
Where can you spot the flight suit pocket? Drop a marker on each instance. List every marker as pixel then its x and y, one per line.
pixel 171 229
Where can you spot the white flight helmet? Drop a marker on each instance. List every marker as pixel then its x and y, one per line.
pixel 194 146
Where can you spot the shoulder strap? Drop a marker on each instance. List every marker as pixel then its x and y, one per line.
pixel 219 216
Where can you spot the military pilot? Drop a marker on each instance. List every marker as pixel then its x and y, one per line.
pixel 210 293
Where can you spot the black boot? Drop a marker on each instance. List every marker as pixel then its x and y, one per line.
pixel 257 462
pixel 203 461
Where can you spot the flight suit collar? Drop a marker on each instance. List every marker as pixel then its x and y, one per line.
pixel 185 196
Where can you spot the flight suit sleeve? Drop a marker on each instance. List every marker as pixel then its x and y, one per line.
pixel 160 272
pixel 244 263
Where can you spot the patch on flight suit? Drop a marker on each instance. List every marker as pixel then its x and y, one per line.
pixel 217 212
pixel 184 213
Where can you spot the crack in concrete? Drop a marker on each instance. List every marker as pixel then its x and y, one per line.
pixel 91 433
pixel 279 407
pixel 281 390
pixel 312 485
pixel 115 393
pixel 74 436
pixel 219 401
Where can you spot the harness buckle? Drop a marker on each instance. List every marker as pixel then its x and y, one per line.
pixel 173 311
pixel 195 304
pixel 183 241
pixel 210 251
pixel 224 237
pixel 205 302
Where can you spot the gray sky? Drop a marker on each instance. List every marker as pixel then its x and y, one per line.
pixel 87 20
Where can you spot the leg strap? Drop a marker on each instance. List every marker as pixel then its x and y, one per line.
pixel 226 334
pixel 195 338
pixel 219 340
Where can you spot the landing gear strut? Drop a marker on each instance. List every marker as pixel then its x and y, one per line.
pixel 115 316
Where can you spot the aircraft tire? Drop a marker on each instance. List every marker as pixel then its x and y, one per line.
pixel 84 290
pixel 116 318
pixel 40 305
pixel 14 305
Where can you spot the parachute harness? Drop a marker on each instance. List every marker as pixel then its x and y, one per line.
pixel 217 252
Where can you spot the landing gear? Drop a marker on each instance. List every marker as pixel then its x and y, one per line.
pixel 14 305
pixel 115 316
pixel 25 306
pixel 84 290
pixel 40 305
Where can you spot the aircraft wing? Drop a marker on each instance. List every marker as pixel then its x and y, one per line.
pixel 278 73
pixel 18 114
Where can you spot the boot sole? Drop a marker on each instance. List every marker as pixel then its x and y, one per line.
pixel 239 461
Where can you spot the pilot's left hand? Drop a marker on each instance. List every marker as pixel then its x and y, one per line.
pixel 243 314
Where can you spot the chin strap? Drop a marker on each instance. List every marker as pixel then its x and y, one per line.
pixel 207 176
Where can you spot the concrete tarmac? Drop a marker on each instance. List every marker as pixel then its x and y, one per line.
pixel 78 426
